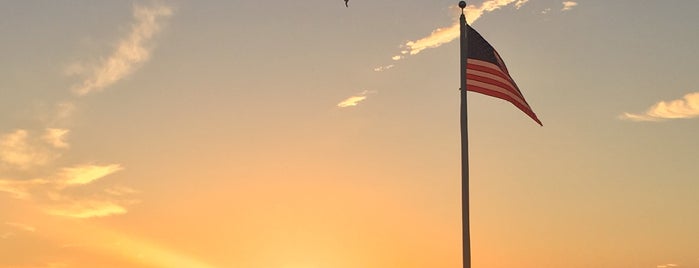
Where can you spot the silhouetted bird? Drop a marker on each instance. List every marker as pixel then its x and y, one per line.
pixel 346 3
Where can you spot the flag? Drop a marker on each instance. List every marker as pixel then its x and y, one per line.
pixel 487 74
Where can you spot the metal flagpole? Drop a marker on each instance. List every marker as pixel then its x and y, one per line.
pixel 465 227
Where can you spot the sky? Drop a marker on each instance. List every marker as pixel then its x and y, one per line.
pixel 304 134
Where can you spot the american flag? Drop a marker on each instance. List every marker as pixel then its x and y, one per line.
pixel 487 74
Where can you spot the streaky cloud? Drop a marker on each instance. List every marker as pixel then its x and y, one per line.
pixel 21 226
pixel 21 189
pixel 56 137
pixel 85 174
pixel 354 100
pixel 520 3
pixel 568 5
pixel 53 195
pixel 149 253
pixel 685 108
pixel 351 101
pixel 87 209
pixel 444 35
pixel 19 150
pixel 63 112
pixel 130 52
pixel 120 191
pixel 383 68
pixel 24 154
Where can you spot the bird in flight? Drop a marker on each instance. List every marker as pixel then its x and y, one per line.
pixel 346 3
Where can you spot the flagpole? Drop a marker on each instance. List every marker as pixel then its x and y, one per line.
pixel 465 227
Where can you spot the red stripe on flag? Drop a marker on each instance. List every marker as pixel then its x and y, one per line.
pixel 492 87
pixel 487 67
pixel 489 79
pixel 496 83
pixel 501 95
pixel 491 76
pixel 492 69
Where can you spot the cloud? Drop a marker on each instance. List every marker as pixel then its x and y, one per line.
pixel 120 191
pixel 351 101
pixel 21 226
pixel 53 196
pixel 64 110
pixel 473 13
pixel 130 52
pixel 437 38
pixel 19 150
pixel 50 197
pixel 441 36
pixel 568 5
pixel 67 190
pixel 87 209
pixel 56 137
pixel 86 174
pixel 383 68
pixel 669 265
pixel 520 3
pixel 687 107
pixel 354 100
pixel 21 189
pixel 545 11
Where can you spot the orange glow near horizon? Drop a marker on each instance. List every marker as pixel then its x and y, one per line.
pixel 306 134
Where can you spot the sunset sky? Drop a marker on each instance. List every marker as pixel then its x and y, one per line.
pixel 304 134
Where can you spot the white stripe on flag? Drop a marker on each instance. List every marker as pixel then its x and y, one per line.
pixel 497 89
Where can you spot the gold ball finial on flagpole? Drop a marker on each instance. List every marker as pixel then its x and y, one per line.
pixel 462 4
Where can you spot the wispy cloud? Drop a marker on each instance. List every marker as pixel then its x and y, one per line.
pixel 21 189
pixel 86 174
pixel 520 3
pixel 444 35
pixel 87 209
pixel 59 203
pixel 687 107
pixel 30 152
pixel 351 101
pixel 130 52
pixel 354 100
pixel 669 265
pixel 62 113
pixel 568 5
pixel 6 235
pixel 21 226
pixel 56 137
pixel 120 191
pixel 52 195
pixel 383 68
pixel 139 251
pixel 21 151
pixel 473 12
